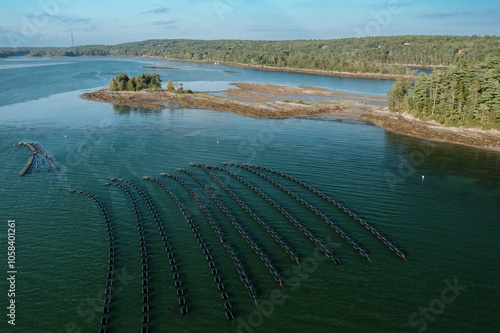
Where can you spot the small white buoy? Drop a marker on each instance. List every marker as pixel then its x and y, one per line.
pixel 423 177
pixel 65 135
pixel 217 141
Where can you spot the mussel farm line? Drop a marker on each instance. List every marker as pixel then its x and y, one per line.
pixel 250 212
pixel 220 236
pixel 272 269
pixel 334 226
pixel 166 243
pixel 144 259
pixel 227 246
pixel 328 253
pixel 206 252
pixel 111 262
pixel 38 152
pixel 369 227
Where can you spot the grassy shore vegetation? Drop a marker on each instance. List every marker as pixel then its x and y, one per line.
pixel 386 55
pixel 460 96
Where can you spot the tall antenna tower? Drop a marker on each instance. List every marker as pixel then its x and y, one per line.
pixel 72 41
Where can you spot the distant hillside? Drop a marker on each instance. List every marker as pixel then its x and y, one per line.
pixel 371 54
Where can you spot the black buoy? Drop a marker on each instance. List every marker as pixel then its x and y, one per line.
pixel 229 315
pixel 182 301
pixel 180 292
pixel 145 299
pixel 105 310
pixel 104 320
pixel 145 291
pixel 184 311
pixel 145 319
pixel 145 308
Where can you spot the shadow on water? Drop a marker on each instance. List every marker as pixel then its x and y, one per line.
pixel 445 160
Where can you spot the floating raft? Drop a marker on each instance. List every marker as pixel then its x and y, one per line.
pixel 38 154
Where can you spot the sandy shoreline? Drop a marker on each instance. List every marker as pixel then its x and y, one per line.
pixel 263 101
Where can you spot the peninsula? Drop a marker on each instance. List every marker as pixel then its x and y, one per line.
pixel 267 101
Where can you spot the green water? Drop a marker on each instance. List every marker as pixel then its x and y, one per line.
pixel 448 224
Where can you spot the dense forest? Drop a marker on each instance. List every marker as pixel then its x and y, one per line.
pixel 460 96
pixel 370 54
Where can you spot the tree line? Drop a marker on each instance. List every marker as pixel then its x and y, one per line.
pixel 141 82
pixel 145 82
pixel 459 96
pixel 370 54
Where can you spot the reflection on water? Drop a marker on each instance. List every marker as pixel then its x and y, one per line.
pixel 124 109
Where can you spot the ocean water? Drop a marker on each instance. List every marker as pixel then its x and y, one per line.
pixel 447 223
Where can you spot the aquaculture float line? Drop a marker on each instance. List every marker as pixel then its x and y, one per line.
pixel 313 209
pixel 251 212
pixel 272 269
pixel 328 253
pixel 108 292
pixel 369 227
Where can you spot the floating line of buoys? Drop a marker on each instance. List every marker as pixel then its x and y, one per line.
pixel 328 253
pixel 206 251
pixel 250 212
pixel 232 253
pixel 144 257
pixel 272 269
pixel 38 152
pixel 108 292
pixel 333 225
pixel 166 243
pixel 187 218
pixel 369 227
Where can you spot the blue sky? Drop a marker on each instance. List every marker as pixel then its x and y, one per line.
pixel 52 22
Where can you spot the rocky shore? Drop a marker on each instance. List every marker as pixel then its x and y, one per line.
pixel 264 101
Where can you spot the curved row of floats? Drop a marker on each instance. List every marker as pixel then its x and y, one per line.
pixel 206 199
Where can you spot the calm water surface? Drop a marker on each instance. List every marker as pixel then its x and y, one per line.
pixel 448 224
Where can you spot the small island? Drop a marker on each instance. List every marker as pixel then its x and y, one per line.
pixel 266 101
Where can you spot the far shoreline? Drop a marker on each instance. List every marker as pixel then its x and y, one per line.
pixel 248 100
pixel 321 72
